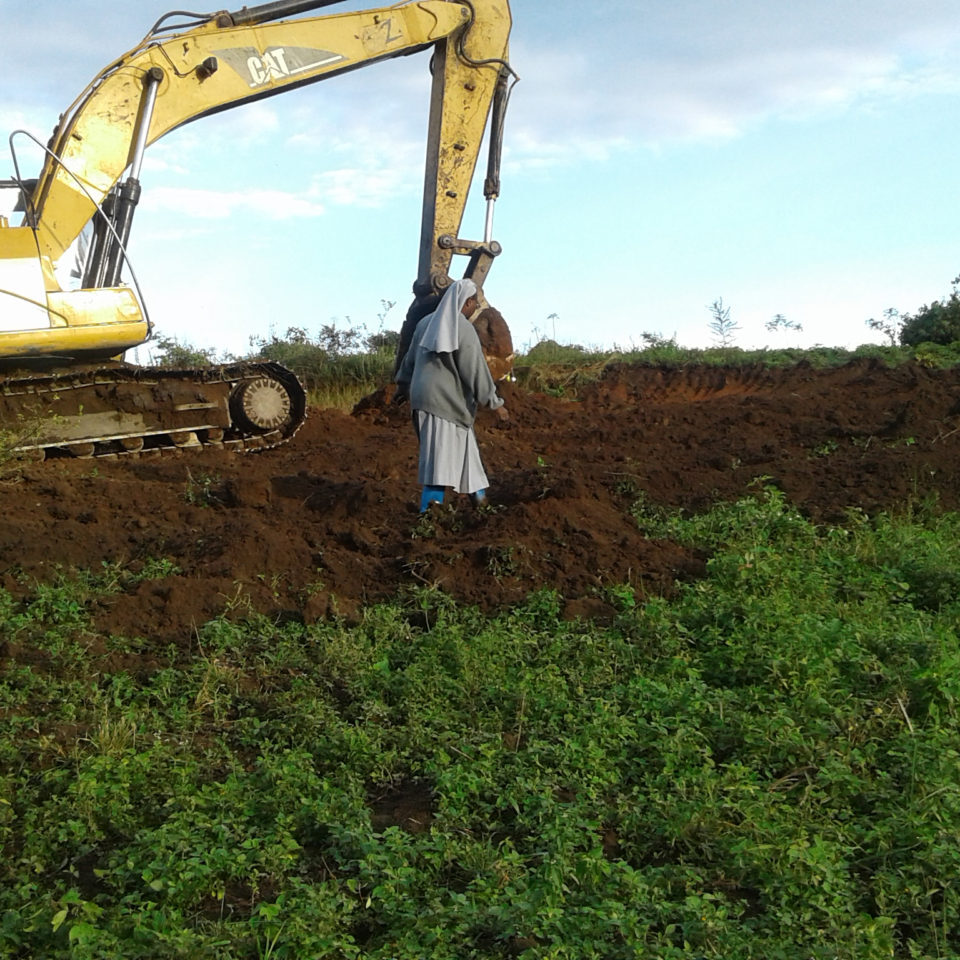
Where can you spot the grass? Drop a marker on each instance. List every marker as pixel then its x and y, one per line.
pixel 764 767
pixel 562 370
pixel 28 427
pixel 341 381
pixel 337 372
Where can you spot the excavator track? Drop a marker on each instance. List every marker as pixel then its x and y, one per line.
pixel 121 410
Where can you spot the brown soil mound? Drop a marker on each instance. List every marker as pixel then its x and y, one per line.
pixel 328 522
pixel 495 340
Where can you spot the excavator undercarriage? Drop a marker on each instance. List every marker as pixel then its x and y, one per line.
pixel 117 409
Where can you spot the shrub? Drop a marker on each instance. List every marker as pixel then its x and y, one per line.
pixel 172 354
pixel 331 365
pixel 938 322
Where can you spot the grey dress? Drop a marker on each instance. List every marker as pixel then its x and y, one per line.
pixel 445 390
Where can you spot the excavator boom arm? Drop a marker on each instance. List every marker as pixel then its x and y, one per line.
pixel 174 77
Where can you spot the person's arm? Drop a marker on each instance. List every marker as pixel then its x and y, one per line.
pixel 473 370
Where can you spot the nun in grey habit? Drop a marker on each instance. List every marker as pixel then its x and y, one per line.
pixel 446 377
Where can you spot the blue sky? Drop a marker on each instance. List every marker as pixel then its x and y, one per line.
pixel 790 159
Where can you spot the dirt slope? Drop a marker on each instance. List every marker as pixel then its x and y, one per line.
pixel 328 521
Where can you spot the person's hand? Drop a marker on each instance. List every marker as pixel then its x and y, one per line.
pixel 503 417
pixel 400 395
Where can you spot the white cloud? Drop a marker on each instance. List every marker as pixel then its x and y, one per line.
pixel 526 149
pixel 357 187
pixel 251 125
pixel 158 161
pixel 221 204
pixel 692 71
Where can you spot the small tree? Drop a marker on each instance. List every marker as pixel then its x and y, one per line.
pixel 383 341
pixel 937 323
pixel 657 341
pixel 780 322
pixel 722 327
pixel 338 341
pixel 891 326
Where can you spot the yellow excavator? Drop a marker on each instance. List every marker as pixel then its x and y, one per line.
pixel 61 343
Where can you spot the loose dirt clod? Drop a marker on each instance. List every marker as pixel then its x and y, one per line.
pixel 328 522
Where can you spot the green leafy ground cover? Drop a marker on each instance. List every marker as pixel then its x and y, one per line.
pixel 765 767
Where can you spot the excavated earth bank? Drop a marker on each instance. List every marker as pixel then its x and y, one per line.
pixel 328 522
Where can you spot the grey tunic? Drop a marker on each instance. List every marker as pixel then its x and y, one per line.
pixel 445 391
pixel 449 385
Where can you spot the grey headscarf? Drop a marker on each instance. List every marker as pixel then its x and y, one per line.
pixel 441 333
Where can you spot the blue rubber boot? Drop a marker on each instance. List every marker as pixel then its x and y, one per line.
pixel 430 495
pixel 478 497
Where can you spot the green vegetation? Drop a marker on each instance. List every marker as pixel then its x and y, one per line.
pixel 172 354
pixel 563 370
pixel 936 323
pixel 28 427
pixel 10 462
pixel 340 365
pixel 337 366
pixel 764 767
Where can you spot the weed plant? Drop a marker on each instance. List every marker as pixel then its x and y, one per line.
pixel 19 432
pixel 765 767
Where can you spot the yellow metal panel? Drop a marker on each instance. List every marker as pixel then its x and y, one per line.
pixel 82 320
pixel 81 308
pixel 69 341
pixel 17 243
